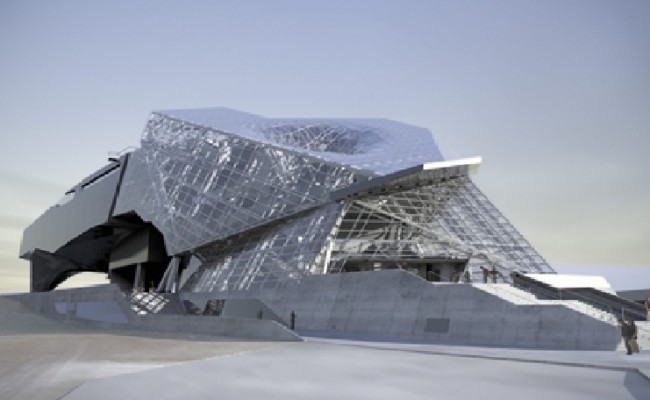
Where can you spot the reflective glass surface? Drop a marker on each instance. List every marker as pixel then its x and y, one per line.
pixel 379 146
pixel 198 185
pixel 265 257
pixel 451 219
pixel 249 199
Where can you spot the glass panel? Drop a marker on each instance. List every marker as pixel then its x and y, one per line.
pixel 449 219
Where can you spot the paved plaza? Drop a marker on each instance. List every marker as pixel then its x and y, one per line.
pixel 43 359
pixel 320 370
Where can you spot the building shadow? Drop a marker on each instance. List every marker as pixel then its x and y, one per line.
pixel 638 385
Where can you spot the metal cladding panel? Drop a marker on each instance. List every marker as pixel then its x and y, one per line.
pixel 198 185
pixel 89 206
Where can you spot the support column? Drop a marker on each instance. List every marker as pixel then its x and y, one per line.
pixel 138 281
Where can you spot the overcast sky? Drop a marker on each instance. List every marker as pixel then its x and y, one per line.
pixel 555 95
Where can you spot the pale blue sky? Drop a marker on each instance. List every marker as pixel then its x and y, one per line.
pixel 555 95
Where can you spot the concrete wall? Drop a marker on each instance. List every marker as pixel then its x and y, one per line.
pixel 63 304
pixel 106 307
pixel 380 305
pixel 397 305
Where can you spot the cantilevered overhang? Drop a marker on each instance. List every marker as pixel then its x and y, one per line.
pixel 420 175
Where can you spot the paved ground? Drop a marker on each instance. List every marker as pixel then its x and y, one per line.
pixel 594 359
pixel 326 370
pixel 55 361
pixel 44 359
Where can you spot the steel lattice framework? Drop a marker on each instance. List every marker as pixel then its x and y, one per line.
pixel 259 201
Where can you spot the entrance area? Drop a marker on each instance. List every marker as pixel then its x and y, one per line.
pixel 138 258
pixel 430 269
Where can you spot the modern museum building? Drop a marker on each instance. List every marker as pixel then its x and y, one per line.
pixel 355 227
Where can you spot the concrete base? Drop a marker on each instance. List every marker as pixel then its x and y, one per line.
pixel 343 370
pixel 106 307
pixel 397 305
pixel 389 305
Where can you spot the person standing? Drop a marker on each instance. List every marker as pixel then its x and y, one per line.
pixel 625 333
pixel 485 272
pixel 467 275
pixel 494 274
pixel 292 319
pixel 634 345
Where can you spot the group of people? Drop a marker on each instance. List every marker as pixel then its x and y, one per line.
pixel 292 318
pixel 487 272
pixel 629 333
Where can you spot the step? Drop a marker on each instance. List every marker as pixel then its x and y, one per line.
pixel 522 297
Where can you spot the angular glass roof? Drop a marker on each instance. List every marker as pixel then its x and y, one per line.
pixel 378 145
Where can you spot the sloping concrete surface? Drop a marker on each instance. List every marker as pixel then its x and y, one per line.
pixel 41 358
pixel 343 370
pixel 608 360
pixel 45 359
pixel 398 305
pixel 105 307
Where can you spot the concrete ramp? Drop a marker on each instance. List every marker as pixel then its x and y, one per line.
pixel 106 307
pixel 16 318
pixel 44 359
pixel 395 305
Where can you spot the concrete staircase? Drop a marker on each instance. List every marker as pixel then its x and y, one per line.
pixel 643 328
pixel 522 297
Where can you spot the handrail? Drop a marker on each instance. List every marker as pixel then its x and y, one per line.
pixel 532 285
pixel 553 296
pixel 588 309
pixel 638 308
pixel 553 293
pixel 500 287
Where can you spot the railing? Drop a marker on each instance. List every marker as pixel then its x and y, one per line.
pixel 628 309
pixel 614 305
pixel 509 292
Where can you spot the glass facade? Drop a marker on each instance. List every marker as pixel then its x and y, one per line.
pixel 254 201
pixel 449 220
pixel 265 257
pixel 198 185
